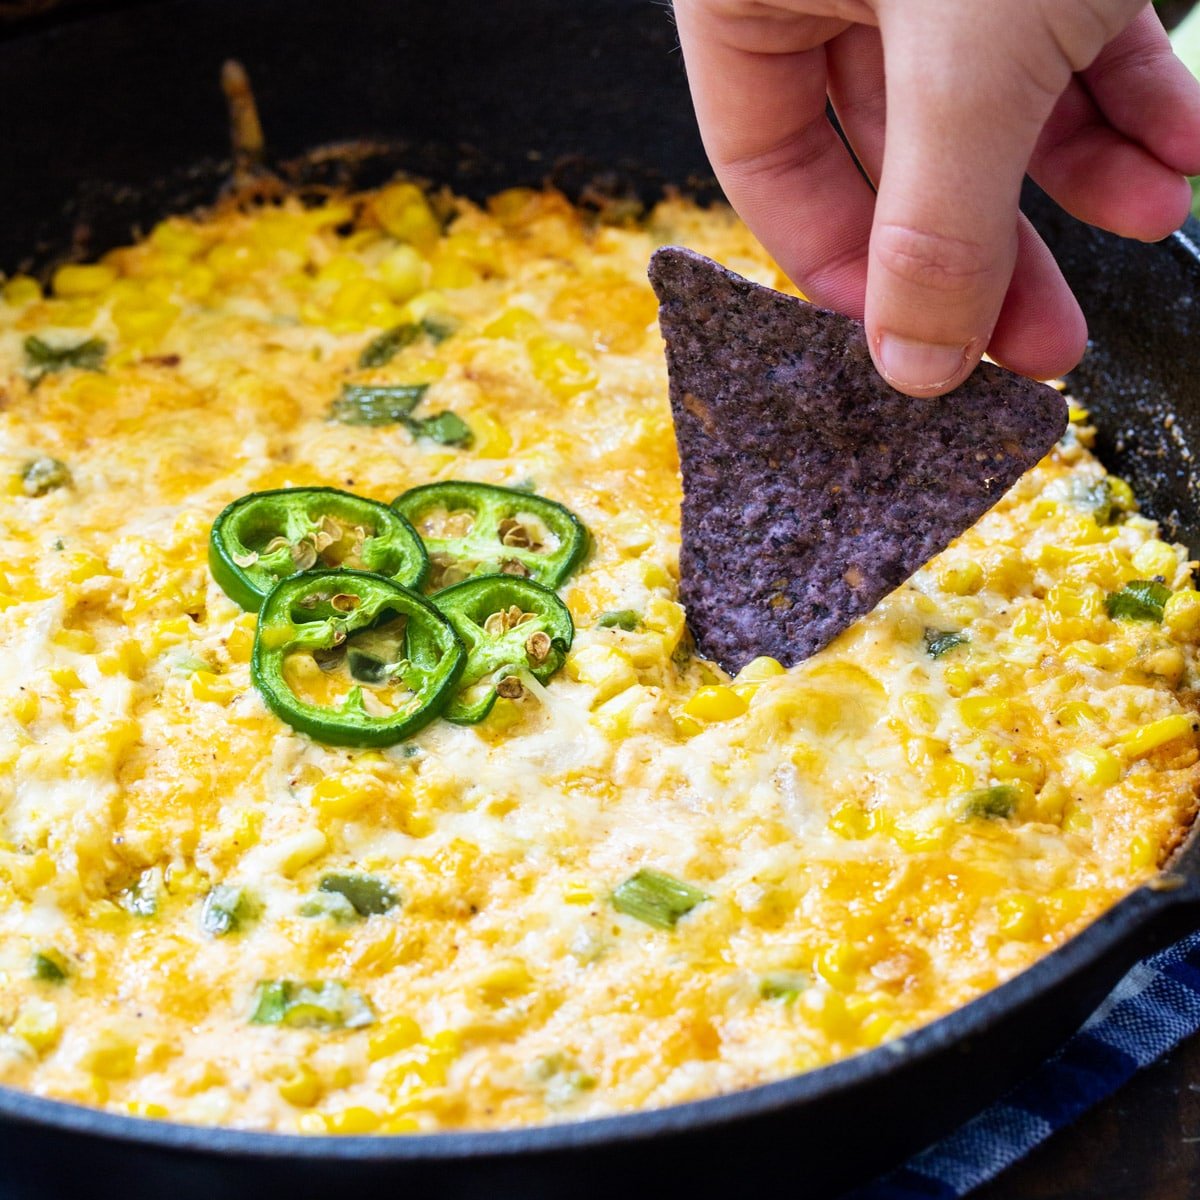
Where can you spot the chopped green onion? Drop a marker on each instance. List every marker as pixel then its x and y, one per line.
pixel 365 404
pixel 312 1005
pixel 445 428
pixel 657 899
pixel 1141 600
pixel 49 966
pixel 620 618
pixel 189 664
pixel 225 908
pixel 438 328
pixel 368 894
pixel 44 359
pixel 993 802
pixel 44 474
pixel 783 985
pixel 381 350
pixel 939 642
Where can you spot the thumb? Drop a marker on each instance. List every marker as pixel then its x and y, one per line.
pixel 968 90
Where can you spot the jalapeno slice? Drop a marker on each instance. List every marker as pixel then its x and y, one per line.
pixel 509 626
pixel 267 536
pixel 472 529
pixel 354 659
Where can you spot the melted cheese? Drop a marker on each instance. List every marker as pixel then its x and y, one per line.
pixel 825 811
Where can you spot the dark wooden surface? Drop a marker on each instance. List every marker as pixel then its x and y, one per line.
pixel 1141 1144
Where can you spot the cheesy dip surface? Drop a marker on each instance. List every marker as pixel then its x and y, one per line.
pixel 962 780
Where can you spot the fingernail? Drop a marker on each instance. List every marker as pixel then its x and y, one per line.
pixel 917 366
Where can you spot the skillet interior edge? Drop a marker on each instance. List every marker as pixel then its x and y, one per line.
pixel 623 105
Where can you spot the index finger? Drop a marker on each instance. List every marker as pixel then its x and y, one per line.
pixel 758 84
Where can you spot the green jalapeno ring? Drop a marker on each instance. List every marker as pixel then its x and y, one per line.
pixel 493 544
pixel 322 612
pixel 536 642
pixel 267 536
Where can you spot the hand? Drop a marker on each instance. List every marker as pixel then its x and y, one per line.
pixel 1085 95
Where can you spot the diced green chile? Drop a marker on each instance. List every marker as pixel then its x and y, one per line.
pixel 44 474
pixel 656 898
pixel 1140 600
pixel 321 614
pixel 49 966
pixel 376 404
pixel 369 895
pixel 511 533
pixel 44 359
pixel 783 985
pixel 509 626
pixel 619 618
pixel 268 536
pixel 311 1004
pixel 939 642
pixel 992 803
pixel 225 908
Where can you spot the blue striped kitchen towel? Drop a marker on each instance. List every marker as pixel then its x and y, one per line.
pixel 1155 1006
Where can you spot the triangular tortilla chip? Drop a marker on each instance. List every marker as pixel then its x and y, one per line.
pixel 811 488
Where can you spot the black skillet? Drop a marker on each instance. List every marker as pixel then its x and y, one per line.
pixel 120 116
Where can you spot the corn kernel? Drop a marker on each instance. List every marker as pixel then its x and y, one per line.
pixel 300 1085
pixel 760 669
pixel 337 796
pixel 948 776
pixel 960 578
pixel 25 706
pixel 1018 916
pixel 37 1024
pixel 404 212
pixel 605 668
pixel 1181 614
pixel 1010 763
pixel 516 324
pixel 207 686
pixel 1150 737
pixel 109 1055
pixel 509 977
pixel 1143 852
pixel 395 1034
pixel 81 641
pixel 564 370
pixel 837 964
pixel 147 1109
pixel 82 279
pixel 299 849
pixel 578 893
pixel 21 290
pixel 618 715
pixel 715 703
pixel 1095 766
pixel 1028 624
pixel 240 643
pixel 980 712
pixel 1076 818
pixel 850 821
pixel 1155 558
pixel 1077 713
pixel 355 1119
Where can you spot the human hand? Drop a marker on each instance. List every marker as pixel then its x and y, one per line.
pixel 1084 95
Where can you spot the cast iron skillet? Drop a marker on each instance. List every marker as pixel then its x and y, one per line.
pixel 482 95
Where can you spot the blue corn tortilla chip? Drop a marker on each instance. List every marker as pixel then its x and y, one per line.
pixel 811 488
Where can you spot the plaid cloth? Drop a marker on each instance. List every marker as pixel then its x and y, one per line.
pixel 1155 1006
